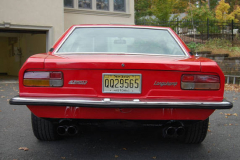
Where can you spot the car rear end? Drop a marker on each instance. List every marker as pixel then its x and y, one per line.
pixel 121 78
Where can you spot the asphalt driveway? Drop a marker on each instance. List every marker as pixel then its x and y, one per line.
pixel 222 141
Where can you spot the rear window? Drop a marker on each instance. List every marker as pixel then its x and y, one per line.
pixel 120 40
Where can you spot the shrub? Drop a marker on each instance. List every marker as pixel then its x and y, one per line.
pixel 194 46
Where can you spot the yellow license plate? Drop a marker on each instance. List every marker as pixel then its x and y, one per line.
pixel 122 83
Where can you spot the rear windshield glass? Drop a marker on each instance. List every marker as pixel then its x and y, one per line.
pixel 120 40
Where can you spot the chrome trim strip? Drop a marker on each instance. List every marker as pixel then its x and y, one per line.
pixel 143 27
pixel 64 39
pixel 117 53
pixel 115 103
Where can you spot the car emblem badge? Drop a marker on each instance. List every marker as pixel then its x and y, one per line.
pixel 81 82
pixel 123 65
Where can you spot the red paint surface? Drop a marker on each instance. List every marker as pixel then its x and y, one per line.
pixel 116 113
pixel 91 68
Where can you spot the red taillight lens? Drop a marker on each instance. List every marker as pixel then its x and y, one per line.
pixel 205 82
pixel 207 79
pixel 201 78
pixel 188 78
pixel 56 75
pixel 43 79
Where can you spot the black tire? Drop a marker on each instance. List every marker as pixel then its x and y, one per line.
pixel 197 132
pixel 43 129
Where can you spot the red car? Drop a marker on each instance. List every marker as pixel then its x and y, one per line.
pixel 142 74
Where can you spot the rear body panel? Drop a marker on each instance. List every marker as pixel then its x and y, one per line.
pixel 154 70
pixel 121 113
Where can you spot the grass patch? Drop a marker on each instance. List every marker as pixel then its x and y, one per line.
pixel 217 46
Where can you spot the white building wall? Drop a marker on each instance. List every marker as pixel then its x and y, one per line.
pixel 33 13
pixel 73 16
pixel 50 16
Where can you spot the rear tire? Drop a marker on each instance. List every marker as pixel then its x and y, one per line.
pixel 43 129
pixel 197 132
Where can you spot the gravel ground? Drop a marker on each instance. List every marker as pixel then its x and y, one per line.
pixel 222 141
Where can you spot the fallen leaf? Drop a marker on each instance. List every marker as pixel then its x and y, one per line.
pixel 236 124
pixel 0 110
pixel 14 109
pixel 225 124
pixel 234 98
pixel 235 114
pixel 116 156
pixel 1 90
pixel 23 148
pixel 8 100
pixel 154 157
pixel 230 124
pixel 2 96
pixel 125 149
pixel 232 87
pixel 209 130
pixel 208 151
pixel 228 114
pixel 63 157
pixel 220 113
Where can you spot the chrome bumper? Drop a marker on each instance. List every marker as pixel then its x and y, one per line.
pixel 118 103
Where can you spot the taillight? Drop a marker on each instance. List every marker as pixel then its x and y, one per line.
pixel 198 82
pixel 43 79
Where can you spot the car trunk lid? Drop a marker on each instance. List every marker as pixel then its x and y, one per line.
pixel 120 61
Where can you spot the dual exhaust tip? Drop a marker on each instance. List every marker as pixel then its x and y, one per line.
pixel 73 130
pixel 171 131
pixel 67 130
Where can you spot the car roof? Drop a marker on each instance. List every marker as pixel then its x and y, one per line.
pixel 118 25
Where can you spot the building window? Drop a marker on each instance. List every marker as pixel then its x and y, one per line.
pixel 68 3
pixel 102 4
pixel 120 5
pixel 87 4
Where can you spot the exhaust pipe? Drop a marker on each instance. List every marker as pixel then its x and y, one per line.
pixel 62 130
pixel 180 131
pixel 72 130
pixel 170 131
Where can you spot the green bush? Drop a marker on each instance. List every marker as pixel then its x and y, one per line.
pixel 194 46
